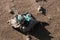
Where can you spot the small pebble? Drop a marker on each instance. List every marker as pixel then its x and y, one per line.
pixel 39 8
pixel 9 10
pixel 28 37
pixel 49 18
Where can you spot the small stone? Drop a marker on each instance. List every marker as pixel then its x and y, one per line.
pixel 39 8
pixel 49 18
pixel 28 37
pixel 9 10
pixel 40 11
pixel 12 12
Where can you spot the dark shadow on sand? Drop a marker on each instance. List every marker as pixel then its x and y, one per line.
pixel 43 11
pixel 39 31
pixel 41 0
